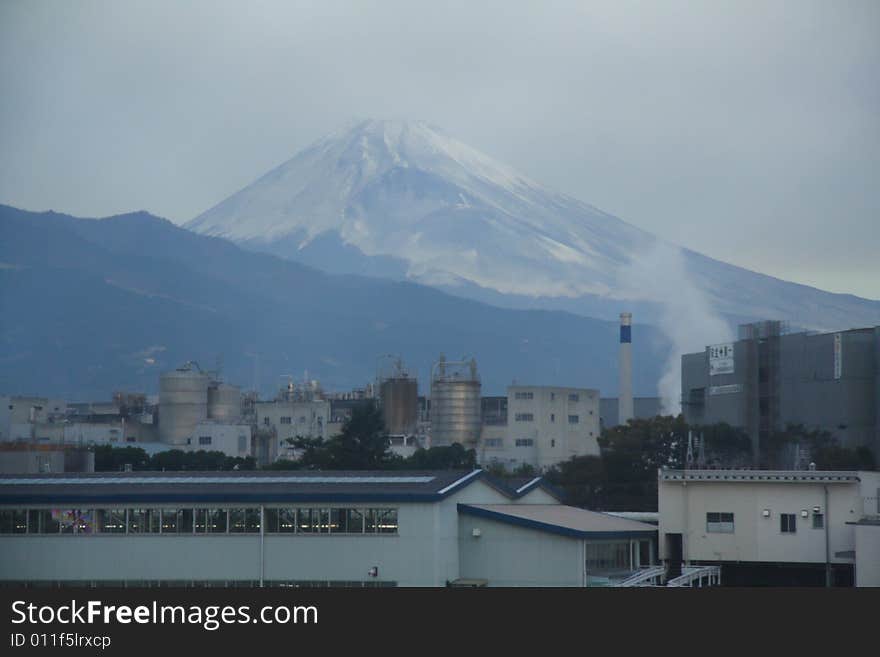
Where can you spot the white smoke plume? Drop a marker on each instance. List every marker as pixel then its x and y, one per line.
pixel 659 275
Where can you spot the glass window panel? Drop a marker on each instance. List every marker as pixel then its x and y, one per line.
pixel 84 521
pixel 42 522
pixel 201 520
pixel 110 521
pixel 237 521
pixel 339 521
pixel 145 521
pixel 184 521
pixel 271 520
pixel 169 521
pixel 325 521
pixel 355 521
pixel 287 521
pixel 252 520
pixel 370 521
pixel 305 520
pixel 387 523
pixel 216 521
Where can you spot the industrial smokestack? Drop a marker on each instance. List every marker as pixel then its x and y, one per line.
pixel 625 398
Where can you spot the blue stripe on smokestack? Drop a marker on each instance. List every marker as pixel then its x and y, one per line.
pixel 625 334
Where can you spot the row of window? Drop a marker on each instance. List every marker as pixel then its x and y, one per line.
pixel 199 521
pixel 722 523
pixel 530 417
pixel 572 397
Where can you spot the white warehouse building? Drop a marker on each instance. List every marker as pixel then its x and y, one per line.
pixel 305 528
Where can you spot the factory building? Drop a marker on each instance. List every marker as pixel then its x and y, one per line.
pixel 307 529
pixel 296 412
pixel 768 379
pixel 644 408
pixel 540 426
pixel 773 528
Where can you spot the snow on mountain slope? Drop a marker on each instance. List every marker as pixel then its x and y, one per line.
pixel 456 218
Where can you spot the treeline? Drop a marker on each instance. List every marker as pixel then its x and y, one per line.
pixel 624 476
pixel 112 459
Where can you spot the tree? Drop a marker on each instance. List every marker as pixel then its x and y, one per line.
pixel 109 458
pixel 452 457
pixel 582 480
pixel 362 444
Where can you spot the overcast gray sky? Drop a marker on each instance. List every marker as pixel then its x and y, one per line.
pixel 749 131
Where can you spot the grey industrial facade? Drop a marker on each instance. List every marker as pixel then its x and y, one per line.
pixel 768 379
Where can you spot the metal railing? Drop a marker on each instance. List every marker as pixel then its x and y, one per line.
pixel 694 576
pixel 650 576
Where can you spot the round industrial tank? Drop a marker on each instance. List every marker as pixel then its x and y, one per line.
pixel 455 403
pixel 183 403
pixel 400 405
pixel 224 402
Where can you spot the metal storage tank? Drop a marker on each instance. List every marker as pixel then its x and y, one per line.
pixel 183 403
pixel 224 401
pixel 400 404
pixel 455 403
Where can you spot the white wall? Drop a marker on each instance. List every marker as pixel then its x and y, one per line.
pixel 683 509
pixel 507 555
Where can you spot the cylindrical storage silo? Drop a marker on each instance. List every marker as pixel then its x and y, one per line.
pixel 400 401
pixel 455 404
pixel 224 402
pixel 183 403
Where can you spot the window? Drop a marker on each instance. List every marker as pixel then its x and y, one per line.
pixel 524 442
pixel 244 521
pixel 573 397
pixel 204 440
pixel 387 521
pixel 284 420
pixel 40 521
pixel 552 417
pixel 552 396
pixel 242 444
pixel 552 443
pixel 818 521
pixel 719 523
pixel 111 521
pixel 524 417
pixel 787 523
pixel 13 522
pixel 524 395
pixel 493 442
pixel 573 419
pixel 266 421
pixel 143 521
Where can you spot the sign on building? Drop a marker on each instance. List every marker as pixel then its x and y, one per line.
pixel 725 390
pixel 721 359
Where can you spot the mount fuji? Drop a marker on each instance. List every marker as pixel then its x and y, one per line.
pixel 404 200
